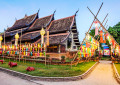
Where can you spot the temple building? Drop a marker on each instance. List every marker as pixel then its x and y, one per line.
pixel 63 34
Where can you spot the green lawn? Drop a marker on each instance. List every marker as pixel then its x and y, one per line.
pixel 117 65
pixel 50 70
pixel 106 58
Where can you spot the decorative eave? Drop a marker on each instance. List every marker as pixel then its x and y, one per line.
pixel 29 36
pixel 56 38
pixel 12 33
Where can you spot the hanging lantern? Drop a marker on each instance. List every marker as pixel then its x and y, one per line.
pixel 47 38
pixel 16 39
pixel 88 37
pixel 0 40
pixel 44 46
pixel 41 53
pixel 96 27
pixel 42 32
pixel 101 36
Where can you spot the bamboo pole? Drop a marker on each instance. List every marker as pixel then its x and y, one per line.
pixel 4 44
pixel 20 46
pixel 86 34
pixel 103 27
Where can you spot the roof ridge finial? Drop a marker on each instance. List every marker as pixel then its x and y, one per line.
pixel 76 12
pixel 25 15
pixel 4 29
pixel 15 18
pixel 38 10
pixel 54 12
pixel 7 26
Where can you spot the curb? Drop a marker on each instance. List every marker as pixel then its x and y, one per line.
pixel 30 78
pixel 117 77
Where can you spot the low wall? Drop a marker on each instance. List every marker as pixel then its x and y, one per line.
pixel 58 55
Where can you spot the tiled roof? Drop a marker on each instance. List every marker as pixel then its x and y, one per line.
pixel 41 22
pixel 30 35
pixel 61 25
pixel 24 22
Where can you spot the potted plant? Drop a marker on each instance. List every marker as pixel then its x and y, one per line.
pixel 62 59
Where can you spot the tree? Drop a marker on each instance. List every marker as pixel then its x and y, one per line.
pixel 115 32
pixel 92 32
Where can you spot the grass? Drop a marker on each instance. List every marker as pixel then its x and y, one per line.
pixel 50 70
pixel 117 65
pixel 106 58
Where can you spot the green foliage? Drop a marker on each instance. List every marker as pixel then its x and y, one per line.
pixel 92 32
pixel 50 71
pixel 63 57
pixel 115 32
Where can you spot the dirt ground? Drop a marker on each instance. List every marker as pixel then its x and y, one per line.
pixel 101 75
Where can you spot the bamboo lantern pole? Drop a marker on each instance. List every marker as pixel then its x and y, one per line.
pixel 16 40
pixel 42 32
pixel 103 27
pixel 4 44
pixel 20 46
pixel 86 34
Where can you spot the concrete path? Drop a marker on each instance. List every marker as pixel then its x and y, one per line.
pixel 6 79
pixel 101 75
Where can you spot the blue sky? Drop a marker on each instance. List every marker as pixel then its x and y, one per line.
pixel 11 9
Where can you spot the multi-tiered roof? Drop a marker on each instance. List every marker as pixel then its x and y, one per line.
pixel 59 30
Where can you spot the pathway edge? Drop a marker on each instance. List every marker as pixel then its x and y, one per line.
pixel 117 76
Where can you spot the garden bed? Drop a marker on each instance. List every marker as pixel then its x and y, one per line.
pixel 50 70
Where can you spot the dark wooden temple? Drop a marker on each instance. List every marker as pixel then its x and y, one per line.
pixel 63 32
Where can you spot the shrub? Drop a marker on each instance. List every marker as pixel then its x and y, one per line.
pixel 62 57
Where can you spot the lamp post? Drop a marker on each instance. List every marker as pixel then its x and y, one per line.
pixel 42 32
pixel 0 40
pixel 16 40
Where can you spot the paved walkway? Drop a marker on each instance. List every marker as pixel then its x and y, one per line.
pixel 6 79
pixel 101 75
